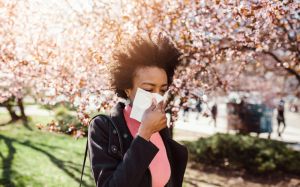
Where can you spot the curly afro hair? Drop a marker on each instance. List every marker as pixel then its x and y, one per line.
pixel 142 52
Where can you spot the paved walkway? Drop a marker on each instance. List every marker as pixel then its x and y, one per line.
pixel 203 127
pixel 32 110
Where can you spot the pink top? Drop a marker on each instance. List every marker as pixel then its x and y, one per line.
pixel 159 167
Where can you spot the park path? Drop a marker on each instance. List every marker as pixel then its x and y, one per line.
pixel 203 127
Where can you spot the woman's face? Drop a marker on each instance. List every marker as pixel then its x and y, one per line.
pixel 151 79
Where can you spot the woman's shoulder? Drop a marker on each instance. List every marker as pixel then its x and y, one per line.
pixel 99 125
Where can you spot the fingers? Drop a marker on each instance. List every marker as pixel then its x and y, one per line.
pixel 164 105
pixel 153 104
pixel 164 121
pixel 159 107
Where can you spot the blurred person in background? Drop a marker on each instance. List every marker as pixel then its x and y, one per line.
pixel 198 108
pixel 280 117
pixel 185 106
pixel 214 113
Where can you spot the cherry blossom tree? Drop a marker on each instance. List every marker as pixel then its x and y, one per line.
pixel 59 50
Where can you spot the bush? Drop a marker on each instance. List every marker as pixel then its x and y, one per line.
pixel 258 156
pixel 67 122
pixel 66 105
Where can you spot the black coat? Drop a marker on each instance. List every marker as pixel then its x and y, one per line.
pixel 117 159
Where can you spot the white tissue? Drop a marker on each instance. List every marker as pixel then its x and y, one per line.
pixel 142 101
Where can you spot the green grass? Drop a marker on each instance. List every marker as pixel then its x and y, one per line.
pixel 30 157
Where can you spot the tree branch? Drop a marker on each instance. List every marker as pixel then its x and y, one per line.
pixel 288 69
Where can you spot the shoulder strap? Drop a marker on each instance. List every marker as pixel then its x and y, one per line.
pixel 86 149
pixel 85 154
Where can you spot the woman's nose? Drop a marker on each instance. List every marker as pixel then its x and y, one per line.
pixel 156 91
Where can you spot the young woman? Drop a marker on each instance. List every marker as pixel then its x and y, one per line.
pixel 123 151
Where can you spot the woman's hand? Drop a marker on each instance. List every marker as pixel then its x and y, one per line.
pixel 154 119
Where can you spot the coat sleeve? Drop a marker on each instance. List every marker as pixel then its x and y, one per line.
pixel 180 158
pixel 109 171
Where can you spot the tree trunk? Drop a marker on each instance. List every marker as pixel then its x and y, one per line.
pixel 21 106
pixel 12 113
pixel 8 105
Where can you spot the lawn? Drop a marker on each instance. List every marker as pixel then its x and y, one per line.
pixel 30 157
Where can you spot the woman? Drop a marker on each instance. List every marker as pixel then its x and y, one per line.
pixel 123 151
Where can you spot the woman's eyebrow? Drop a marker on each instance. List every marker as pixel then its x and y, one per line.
pixel 152 84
